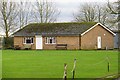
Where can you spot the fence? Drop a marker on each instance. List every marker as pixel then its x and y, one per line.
pixel 106 60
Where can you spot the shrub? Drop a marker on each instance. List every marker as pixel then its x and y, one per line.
pixel 8 43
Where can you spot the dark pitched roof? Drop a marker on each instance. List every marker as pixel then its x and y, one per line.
pixel 54 29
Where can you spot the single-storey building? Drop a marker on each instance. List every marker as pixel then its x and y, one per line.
pixel 85 35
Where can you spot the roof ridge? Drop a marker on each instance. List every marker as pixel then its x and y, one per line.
pixel 62 23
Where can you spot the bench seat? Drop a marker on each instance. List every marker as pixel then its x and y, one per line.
pixel 61 46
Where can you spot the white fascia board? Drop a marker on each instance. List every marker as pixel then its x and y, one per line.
pixel 95 26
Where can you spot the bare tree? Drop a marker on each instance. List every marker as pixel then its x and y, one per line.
pixel 114 10
pixel 86 13
pixel 102 14
pixel 91 12
pixel 8 14
pixel 24 12
pixel 45 12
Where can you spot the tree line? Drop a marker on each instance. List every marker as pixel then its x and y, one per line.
pixel 15 15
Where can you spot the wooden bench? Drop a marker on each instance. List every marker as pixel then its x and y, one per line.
pixel 61 46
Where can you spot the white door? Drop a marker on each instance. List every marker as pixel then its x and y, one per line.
pixel 99 42
pixel 39 44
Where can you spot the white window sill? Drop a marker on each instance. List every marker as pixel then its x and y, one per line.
pixel 50 43
pixel 27 43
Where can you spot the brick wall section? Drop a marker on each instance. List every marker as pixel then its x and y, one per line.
pixel 89 40
pixel 34 43
pixel 19 41
pixel 71 41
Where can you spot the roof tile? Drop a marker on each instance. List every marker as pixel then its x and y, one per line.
pixel 54 29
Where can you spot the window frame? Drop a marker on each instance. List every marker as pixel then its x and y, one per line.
pixel 48 40
pixel 30 38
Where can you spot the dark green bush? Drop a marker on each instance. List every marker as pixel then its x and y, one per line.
pixel 8 43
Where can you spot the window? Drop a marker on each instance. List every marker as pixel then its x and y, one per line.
pixel 50 40
pixel 28 40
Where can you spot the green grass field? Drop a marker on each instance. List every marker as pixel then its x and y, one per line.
pixel 0 64
pixel 50 64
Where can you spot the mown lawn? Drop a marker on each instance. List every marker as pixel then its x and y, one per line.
pixel 0 64
pixel 50 64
